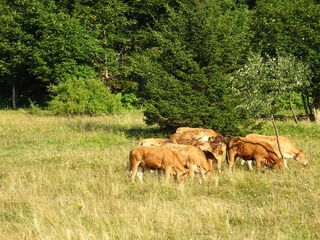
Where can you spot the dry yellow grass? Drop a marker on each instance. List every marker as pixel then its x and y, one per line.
pixel 67 178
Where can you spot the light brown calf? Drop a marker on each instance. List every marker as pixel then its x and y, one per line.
pixel 156 158
pixel 193 158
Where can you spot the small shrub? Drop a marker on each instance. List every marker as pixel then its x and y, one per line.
pixel 34 108
pixel 83 96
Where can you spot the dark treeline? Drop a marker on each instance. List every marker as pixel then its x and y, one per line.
pixel 213 63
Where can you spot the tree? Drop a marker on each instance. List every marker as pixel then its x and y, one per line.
pixel 110 24
pixel 262 84
pixel 14 50
pixel 292 27
pixel 185 63
pixel 42 46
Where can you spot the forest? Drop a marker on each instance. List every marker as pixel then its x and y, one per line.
pixel 219 64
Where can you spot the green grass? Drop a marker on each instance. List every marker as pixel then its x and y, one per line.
pixel 67 178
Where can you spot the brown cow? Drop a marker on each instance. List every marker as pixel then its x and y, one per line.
pixel 156 158
pixel 208 131
pixel 288 150
pixel 186 135
pixel 249 149
pixel 214 152
pixel 205 139
pixel 156 142
pixel 192 158
pixel 209 141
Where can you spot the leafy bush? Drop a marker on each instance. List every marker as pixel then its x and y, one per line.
pixel 83 96
pixel 130 101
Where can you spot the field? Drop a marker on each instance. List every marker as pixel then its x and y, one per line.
pixel 67 178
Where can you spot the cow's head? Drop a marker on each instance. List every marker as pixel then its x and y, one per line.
pixel 207 149
pixel 183 175
pixel 300 157
pixel 279 164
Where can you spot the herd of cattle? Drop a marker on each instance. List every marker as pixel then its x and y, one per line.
pixel 191 151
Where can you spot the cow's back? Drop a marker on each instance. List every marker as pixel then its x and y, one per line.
pixel 188 134
pixel 189 154
pixel 263 147
pixel 181 150
pixel 285 144
pixel 209 131
pixel 156 142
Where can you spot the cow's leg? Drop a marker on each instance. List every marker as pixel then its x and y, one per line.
pixel 191 167
pixel 219 162
pixel 242 162
pixel 140 173
pixel 250 164
pixel 160 173
pixel 285 163
pixel 231 158
pixel 168 170
pixel 258 163
pixel 203 174
pixel 133 169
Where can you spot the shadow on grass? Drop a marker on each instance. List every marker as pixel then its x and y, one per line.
pixel 133 132
pixel 151 132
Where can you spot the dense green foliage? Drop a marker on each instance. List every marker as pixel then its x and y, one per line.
pixel 83 96
pixel 179 58
pixel 185 66
pixel 45 46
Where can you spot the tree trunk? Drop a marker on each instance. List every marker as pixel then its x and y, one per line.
pixel 293 112
pixel 14 106
pixel 316 109
pixel 277 134
pixel 305 106
pixel 311 116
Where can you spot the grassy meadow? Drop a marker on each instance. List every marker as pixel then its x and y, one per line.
pixel 67 178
